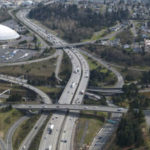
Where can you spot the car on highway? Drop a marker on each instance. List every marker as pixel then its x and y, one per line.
pixel 44 106
pixel 120 109
pixel 86 107
pixel 99 137
pixel 57 106
pixel 24 147
pixel 82 92
pixel 64 141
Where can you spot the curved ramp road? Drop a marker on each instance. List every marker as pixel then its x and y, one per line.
pixel 29 61
pixel 59 120
pixel 11 132
pixel 2 144
pixel 11 79
pixel 105 133
pixel 27 141
pixel 58 65
pixel 120 80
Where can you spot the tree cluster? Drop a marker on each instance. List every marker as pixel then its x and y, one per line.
pixel 145 79
pixel 119 56
pixel 131 95
pixel 129 131
pixel 97 76
pixel 14 98
pixel 126 37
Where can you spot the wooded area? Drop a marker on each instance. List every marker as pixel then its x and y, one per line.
pixel 119 56
pixel 73 23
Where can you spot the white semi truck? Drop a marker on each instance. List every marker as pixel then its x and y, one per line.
pixel 73 84
pixel 50 128
pixel 49 148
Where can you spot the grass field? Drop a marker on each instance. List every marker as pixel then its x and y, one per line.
pixel 7 119
pixel 92 64
pixel 41 69
pixel 88 125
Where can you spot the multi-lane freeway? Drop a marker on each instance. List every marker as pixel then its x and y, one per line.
pixel 69 107
pixel 77 83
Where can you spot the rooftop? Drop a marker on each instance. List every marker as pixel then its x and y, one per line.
pixel 7 33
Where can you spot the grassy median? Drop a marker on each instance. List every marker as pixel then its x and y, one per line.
pixel 99 75
pixel 87 127
pixel 23 131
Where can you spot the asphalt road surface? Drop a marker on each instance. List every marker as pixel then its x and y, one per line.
pixel 69 107
pixel 71 87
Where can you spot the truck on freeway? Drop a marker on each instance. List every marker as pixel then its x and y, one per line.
pixel 50 128
pixel 49 148
pixel 73 84
pixel 82 92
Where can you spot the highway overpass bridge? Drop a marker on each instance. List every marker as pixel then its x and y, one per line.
pixel 106 91
pixel 102 91
pixel 74 45
pixel 64 107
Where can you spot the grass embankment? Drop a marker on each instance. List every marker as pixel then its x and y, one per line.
pixel 36 141
pixel 88 125
pixel 54 93
pixel 23 131
pixel 96 35
pixel 7 119
pixel 100 76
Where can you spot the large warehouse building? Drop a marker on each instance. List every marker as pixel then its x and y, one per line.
pixel 7 33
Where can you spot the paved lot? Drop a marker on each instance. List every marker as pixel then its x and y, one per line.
pixel 14 55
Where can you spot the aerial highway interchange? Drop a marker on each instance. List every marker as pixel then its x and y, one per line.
pixel 70 101
pixel 71 95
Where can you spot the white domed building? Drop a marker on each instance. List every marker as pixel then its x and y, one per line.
pixel 7 34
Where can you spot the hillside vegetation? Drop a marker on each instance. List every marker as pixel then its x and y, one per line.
pixel 73 23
